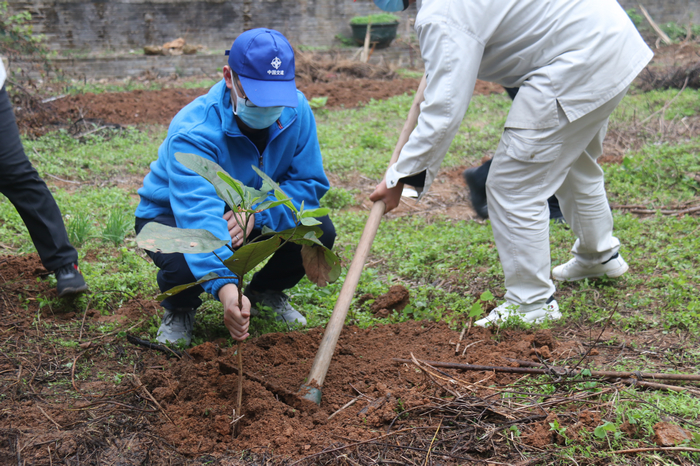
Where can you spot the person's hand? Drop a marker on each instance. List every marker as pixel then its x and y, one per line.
pixel 236 319
pixel 390 196
pixel 236 222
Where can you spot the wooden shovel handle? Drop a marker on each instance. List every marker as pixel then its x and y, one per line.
pixel 340 311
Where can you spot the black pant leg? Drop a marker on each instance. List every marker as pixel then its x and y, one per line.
pixel 285 268
pixel 20 182
pixel 173 271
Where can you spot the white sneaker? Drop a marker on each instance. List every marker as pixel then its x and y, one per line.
pixel 574 270
pixel 278 302
pixel 176 325
pixel 530 314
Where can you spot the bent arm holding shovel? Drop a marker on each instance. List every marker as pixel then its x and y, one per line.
pixel 390 197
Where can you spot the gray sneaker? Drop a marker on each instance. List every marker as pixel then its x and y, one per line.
pixel 278 302
pixel 177 325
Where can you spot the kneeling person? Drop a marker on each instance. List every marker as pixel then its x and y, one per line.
pixel 254 116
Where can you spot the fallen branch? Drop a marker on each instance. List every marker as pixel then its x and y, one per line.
pixel 345 406
pixel 667 105
pixel 658 386
pixel 150 397
pixel 147 344
pixel 49 418
pixel 665 212
pixel 667 40
pixel 612 312
pixel 558 371
pixel 642 450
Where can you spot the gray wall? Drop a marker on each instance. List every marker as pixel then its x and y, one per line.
pixel 121 25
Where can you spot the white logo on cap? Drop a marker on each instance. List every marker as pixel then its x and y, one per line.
pixel 276 63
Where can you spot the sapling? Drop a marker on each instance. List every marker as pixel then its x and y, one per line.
pixel 321 265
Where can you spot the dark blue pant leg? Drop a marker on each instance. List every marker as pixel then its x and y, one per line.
pixel 173 271
pixel 20 182
pixel 285 268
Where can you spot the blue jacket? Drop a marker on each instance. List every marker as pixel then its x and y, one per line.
pixel 207 127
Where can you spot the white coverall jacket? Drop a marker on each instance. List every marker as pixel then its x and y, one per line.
pixel 2 73
pixel 570 59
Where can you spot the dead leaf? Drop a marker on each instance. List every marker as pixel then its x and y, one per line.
pixel 317 268
pixel 178 43
pixel 152 50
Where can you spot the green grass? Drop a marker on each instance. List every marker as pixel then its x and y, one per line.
pixel 76 87
pixel 98 157
pixel 657 175
pixel 363 139
pixel 440 259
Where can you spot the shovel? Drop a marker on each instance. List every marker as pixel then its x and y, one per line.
pixel 311 390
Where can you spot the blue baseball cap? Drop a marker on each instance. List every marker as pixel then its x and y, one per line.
pixel 264 62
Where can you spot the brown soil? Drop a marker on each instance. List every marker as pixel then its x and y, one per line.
pixel 159 107
pixel 75 395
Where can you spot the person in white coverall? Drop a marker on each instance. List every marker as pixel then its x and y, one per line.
pixel 573 61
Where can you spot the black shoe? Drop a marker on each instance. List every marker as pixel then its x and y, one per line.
pixel 477 190
pixel 70 280
pixel 554 210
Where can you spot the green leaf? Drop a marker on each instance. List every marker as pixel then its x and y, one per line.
pixel 208 169
pixel 231 181
pixel 300 232
pixel 320 212
pixel 602 430
pixel 173 291
pixel 336 269
pixel 268 183
pixel 308 240
pixel 280 196
pixel 269 204
pixel 248 256
pixel 158 237
pixel 309 221
pixel 475 311
pixel 486 296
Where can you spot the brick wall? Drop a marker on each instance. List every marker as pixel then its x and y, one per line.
pixel 121 25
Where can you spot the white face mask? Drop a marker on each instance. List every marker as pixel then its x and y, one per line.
pixel 253 117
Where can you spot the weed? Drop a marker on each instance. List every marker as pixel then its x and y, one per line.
pixel 117 227
pixel 635 17
pixel 80 229
pixel 317 103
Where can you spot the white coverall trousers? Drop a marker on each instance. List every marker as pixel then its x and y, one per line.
pixel 528 167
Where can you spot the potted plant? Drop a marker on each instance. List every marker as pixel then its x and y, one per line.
pixel 382 32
